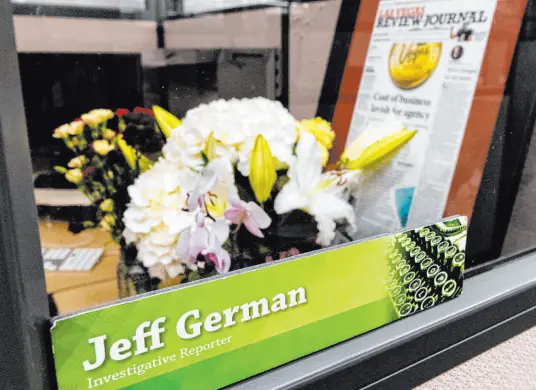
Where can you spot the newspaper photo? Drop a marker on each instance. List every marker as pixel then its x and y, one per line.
pixel 421 70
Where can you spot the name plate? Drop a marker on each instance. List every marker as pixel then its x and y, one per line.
pixel 213 333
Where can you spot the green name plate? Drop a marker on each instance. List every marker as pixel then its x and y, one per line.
pixel 217 332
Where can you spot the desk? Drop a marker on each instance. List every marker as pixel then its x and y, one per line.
pixel 75 291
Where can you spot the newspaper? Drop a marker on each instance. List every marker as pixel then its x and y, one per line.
pixel 422 69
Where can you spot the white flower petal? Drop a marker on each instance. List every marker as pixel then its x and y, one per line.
pixel 328 208
pixel 177 221
pixel 220 229
pixel 307 169
pixel 130 236
pixel 290 198
pixel 175 269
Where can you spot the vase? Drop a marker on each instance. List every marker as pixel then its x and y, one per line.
pixel 133 277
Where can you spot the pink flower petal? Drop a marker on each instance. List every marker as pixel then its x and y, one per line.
pixel 198 242
pixel 235 215
pixel 256 213
pixel 221 259
pixel 224 262
pixel 294 252
pixel 253 228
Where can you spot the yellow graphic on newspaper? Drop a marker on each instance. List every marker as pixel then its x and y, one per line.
pixel 411 64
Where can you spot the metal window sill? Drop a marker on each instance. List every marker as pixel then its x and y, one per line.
pixel 495 306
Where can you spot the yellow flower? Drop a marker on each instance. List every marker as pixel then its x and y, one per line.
pixel 166 120
pixel 133 157
pixel 108 222
pixel 103 147
pixel 62 132
pixel 262 172
pixel 74 176
pixel 107 205
pixel 76 128
pixel 109 134
pixel 78 162
pixel 216 206
pixel 361 155
pixel 322 131
pixel 96 117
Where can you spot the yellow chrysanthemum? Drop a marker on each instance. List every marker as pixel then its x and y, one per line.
pixel 103 147
pixel 107 205
pixel 78 162
pixel 62 131
pixel 96 117
pixel 74 176
pixel 109 134
pixel 322 131
pixel 76 128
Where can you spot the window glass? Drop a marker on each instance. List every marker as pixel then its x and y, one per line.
pixel 176 140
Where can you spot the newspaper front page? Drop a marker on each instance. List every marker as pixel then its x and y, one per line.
pixel 422 69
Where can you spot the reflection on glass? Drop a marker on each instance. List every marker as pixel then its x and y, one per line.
pixel 191 166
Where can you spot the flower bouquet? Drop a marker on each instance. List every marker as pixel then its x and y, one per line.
pixel 237 183
pixel 110 150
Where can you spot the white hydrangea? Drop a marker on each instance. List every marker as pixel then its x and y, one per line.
pixel 184 148
pixel 157 213
pixel 155 216
pixel 234 124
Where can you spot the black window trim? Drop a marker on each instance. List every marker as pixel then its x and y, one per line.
pixel 496 304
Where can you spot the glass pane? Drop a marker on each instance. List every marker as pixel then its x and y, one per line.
pixel 223 136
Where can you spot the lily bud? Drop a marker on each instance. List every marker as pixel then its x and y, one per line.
pixel 361 157
pixel 133 157
pixel 262 172
pixel 210 148
pixel 166 120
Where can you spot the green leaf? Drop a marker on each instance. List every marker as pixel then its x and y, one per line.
pixel 60 169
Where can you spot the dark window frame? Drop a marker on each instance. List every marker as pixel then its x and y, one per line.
pixel 499 299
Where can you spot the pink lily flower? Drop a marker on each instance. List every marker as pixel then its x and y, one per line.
pixel 251 215
pixel 200 240
pixel 217 255
pixel 205 182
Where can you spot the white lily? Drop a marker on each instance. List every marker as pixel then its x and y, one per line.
pixel 312 191
pixel 212 188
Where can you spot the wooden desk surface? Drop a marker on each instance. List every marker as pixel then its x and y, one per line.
pixel 75 291
pixel 86 297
